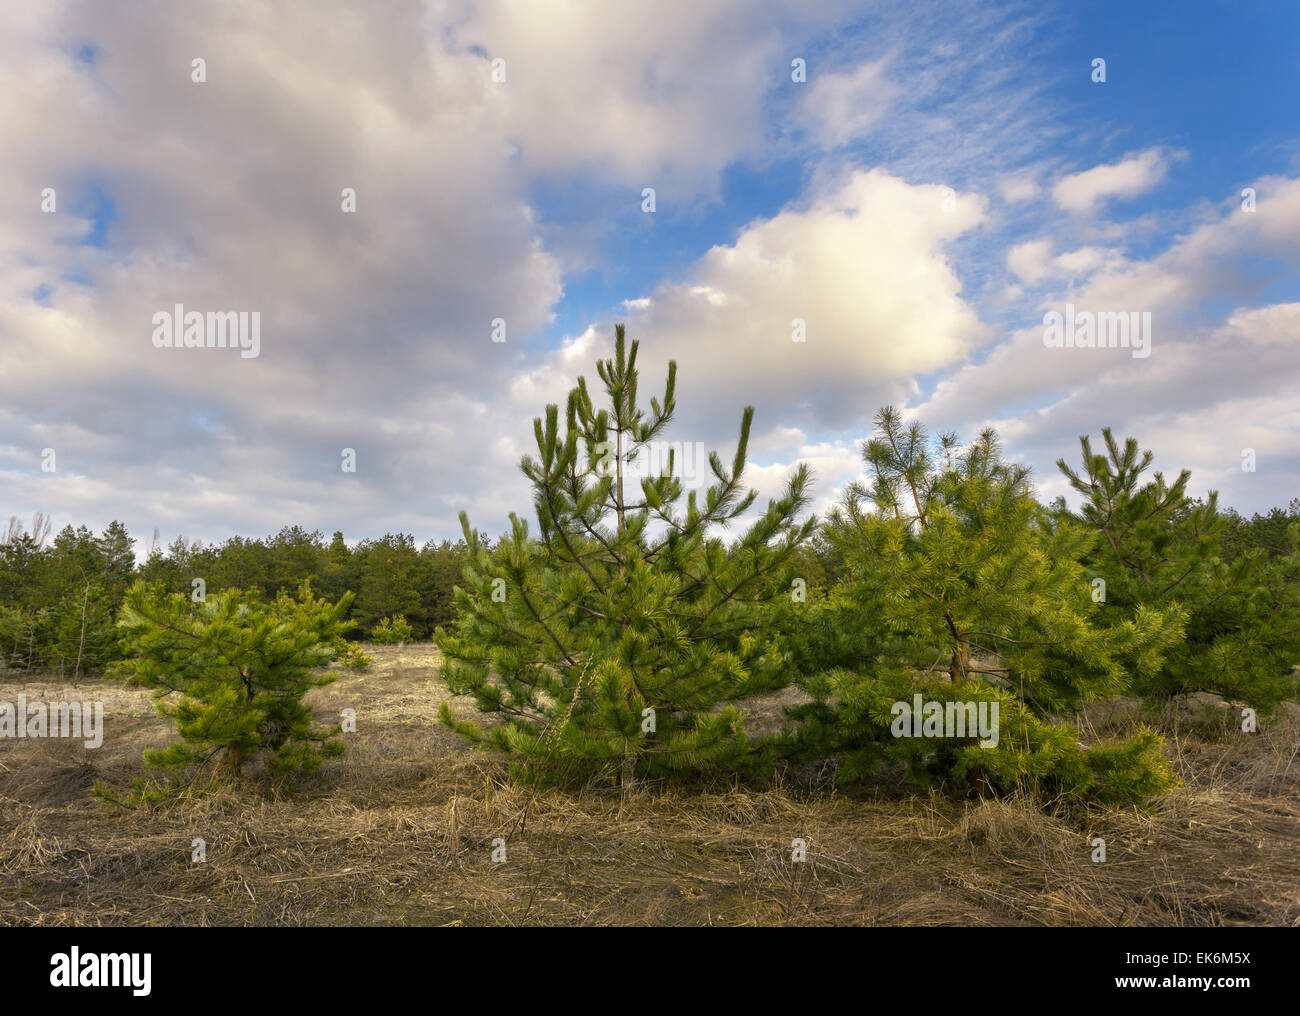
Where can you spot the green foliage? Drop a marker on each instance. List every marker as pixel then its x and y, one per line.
pixel 1270 533
pixel 1160 550
pixel 350 654
pixel 391 577
pixel 83 636
pixel 616 641
pixel 391 631
pixel 23 636
pixel 952 567
pixel 58 601
pixel 858 717
pixel 390 572
pixel 232 671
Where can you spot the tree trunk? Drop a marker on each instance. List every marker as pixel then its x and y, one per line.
pixel 979 780
pixel 960 661
pixel 81 642
pixel 618 464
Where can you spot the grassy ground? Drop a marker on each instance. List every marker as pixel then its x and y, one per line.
pixel 399 831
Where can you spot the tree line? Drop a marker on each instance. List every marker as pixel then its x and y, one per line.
pixel 60 598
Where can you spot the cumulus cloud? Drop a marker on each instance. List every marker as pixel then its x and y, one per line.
pixel 1030 261
pixel 375 325
pixel 862 265
pixel 1081 193
pixel 227 195
pixel 1209 388
pixel 663 94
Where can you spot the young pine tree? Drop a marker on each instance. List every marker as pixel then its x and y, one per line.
pixel 238 669
pixel 391 631
pixel 1159 549
pixel 612 642
pixel 971 596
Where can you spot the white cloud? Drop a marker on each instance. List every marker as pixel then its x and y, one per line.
pixel 1080 193
pixel 862 264
pixel 663 94
pixel 376 325
pixel 841 107
pixel 1082 262
pixel 1030 261
pixel 1019 187
pixel 1206 391
pixel 778 439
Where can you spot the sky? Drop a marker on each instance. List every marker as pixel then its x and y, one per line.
pixel 920 184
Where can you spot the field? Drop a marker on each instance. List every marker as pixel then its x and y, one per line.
pixel 400 830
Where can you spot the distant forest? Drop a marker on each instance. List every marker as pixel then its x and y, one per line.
pixel 59 598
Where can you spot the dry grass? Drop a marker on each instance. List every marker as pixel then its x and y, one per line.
pixel 399 832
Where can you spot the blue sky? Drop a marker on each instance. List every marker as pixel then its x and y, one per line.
pixel 945 175
pixel 1213 79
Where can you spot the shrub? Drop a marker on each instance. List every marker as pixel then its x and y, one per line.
pixel 391 631
pixel 953 568
pixel 350 654
pixel 1157 550
pixel 238 670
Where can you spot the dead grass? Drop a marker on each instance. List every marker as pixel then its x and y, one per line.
pixel 400 831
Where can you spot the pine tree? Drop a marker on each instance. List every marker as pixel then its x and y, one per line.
pixel 23 634
pixel 338 571
pixel 389 575
pixel 294 555
pixel 83 636
pixel 239 669
pixel 391 631
pixel 969 594
pixel 441 566
pixel 616 641
pixel 117 557
pixel 1160 549
pixel 239 563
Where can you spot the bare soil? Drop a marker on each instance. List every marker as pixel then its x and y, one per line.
pixel 401 829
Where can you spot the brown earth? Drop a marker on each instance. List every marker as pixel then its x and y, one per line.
pixel 401 829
